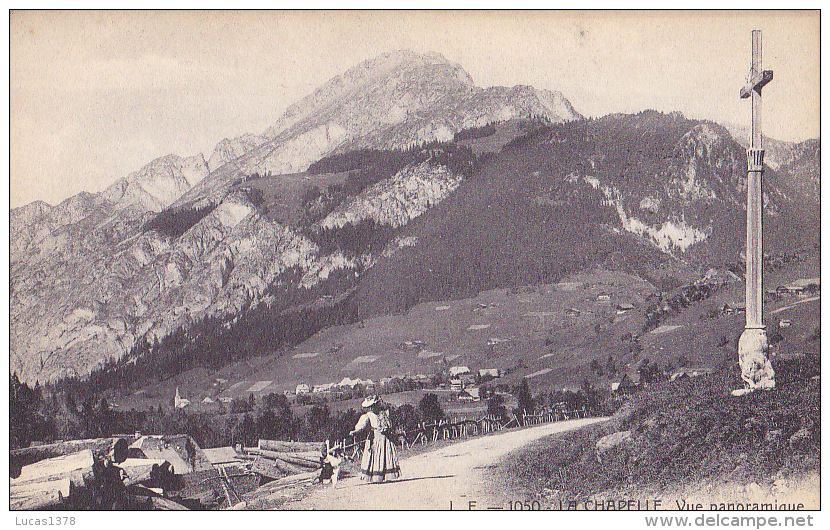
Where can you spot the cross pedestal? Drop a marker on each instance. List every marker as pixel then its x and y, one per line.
pixel 753 347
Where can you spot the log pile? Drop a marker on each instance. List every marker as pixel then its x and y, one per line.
pixel 29 455
pixel 91 474
pixel 277 459
pixel 85 479
pixel 86 474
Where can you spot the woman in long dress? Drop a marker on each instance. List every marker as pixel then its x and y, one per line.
pixel 379 460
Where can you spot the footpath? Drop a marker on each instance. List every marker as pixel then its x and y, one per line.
pixel 452 476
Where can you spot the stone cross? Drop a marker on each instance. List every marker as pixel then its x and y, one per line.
pixel 756 370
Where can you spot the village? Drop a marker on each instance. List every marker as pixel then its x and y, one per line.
pixel 459 382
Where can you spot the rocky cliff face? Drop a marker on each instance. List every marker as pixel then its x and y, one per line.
pixel 83 299
pixel 228 150
pixel 397 200
pixel 158 184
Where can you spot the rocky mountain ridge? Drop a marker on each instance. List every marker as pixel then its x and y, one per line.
pixel 392 101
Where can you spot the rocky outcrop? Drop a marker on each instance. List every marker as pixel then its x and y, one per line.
pixel 612 441
pixel 88 304
pixel 228 150
pixel 397 200
pixel 158 184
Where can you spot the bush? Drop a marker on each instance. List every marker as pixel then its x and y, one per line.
pixel 430 408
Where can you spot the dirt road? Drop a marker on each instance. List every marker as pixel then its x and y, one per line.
pixel 456 474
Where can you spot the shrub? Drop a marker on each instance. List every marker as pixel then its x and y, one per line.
pixel 430 408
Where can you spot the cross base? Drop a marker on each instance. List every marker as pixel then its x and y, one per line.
pixel 756 368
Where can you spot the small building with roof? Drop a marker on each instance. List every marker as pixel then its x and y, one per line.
pixel 624 386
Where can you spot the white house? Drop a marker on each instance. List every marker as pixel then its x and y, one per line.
pixel 302 388
pixel 492 372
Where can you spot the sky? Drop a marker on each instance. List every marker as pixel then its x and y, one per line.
pixel 95 96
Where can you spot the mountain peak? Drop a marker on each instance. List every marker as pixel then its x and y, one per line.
pixel 159 183
pixel 401 60
pixel 402 57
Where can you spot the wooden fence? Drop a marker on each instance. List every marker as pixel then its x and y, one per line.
pixel 425 433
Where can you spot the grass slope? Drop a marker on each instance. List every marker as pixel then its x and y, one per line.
pixel 687 435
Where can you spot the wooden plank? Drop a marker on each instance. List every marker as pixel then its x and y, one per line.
pixel 290 447
pixel 304 455
pixel 289 458
pixel 281 483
